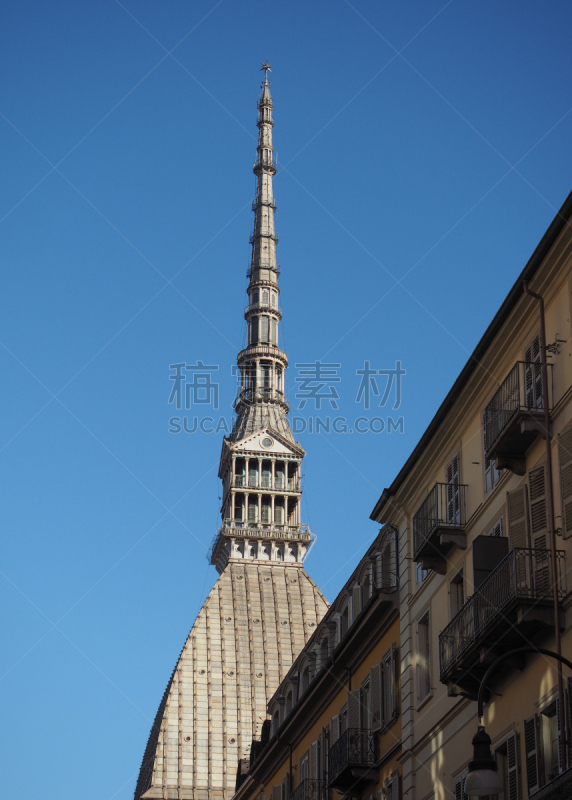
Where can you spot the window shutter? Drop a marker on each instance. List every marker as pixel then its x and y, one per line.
pixel 537 494
pixel 512 767
pixel 338 629
pixel 539 526
pixel 286 787
pixel 277 792
pixel 356 601
pixel 565 453
pixel 396 672
pixel 531 744
pixel 354 703
pixel 334 729
pixel 568 722
pixel 314 759
pixel 375 693
pixel 459 788
pixel 394 786
pixel 517 517
pixel 561 765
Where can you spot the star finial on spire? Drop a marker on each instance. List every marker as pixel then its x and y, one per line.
pixel 266 67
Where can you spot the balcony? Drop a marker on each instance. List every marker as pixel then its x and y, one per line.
pixel 309 789
pixel 515 416
pixel 558 789
pixel 512 605
pixel 252 482
pixel 262 395
pixel 439 524
pixel 351 759
pixel 232 529
pixel 263 201
pixel 261 307
pixel 263 235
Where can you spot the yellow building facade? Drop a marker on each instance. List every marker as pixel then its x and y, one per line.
pixel 334 726
pixel 475 507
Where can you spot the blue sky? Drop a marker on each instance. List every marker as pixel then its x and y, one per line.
pixel 423 150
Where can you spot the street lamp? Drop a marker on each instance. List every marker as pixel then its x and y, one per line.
pixel 483 778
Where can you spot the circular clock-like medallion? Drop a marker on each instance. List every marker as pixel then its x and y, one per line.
pixel 267 442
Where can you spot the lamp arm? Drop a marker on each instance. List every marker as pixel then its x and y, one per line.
pixel 486 676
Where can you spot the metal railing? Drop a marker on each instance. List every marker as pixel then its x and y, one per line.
pixel 264 161
pixel 264 234
pixel 521 390
pixel 354 748
pixel 444 507
pixel 523 574
pixel 259 201
pixel 558 789
pixel 253 267
pixel 308 789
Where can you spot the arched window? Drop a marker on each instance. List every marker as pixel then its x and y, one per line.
pixel 265 299
pixel 255 296
pixel 324 651
pixel 289 702
pixel 276 721
pixel 279 554
pixel 305 679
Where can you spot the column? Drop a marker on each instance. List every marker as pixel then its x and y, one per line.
pixel 259 508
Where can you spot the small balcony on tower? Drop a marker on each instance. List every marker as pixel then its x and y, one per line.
pixel 264 235
pixel 512 605
pixel 262 395
pixel 261 200
pixel 515 416
pixel 439 525
pixel 260 306
pixel 351 760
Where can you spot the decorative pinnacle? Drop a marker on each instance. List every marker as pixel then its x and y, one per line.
pixel 266 67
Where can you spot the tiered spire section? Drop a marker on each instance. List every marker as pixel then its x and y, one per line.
pixel 260 463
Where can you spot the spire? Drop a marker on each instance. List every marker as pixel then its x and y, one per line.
pixel 261 462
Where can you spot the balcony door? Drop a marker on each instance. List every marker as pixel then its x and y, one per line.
pixel 453 492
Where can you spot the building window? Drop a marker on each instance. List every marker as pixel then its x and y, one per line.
pixel 492 474
pixel 423 658
pixel 549 734
pixel 421 573
pixel 457 593
pixel 389 666
pixel 452 474
pixel 498 528
pixel 533 375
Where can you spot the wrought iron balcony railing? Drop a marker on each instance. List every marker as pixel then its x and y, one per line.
pixel 309 789
pixel 442 511
pixel 560 788
pixel 515 415
pixel 523 577
pixel 353 750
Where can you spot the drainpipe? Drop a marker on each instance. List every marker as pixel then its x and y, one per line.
pixel 551 521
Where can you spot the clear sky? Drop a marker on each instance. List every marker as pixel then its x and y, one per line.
pixel 423 149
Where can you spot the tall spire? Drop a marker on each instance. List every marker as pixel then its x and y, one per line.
pixel 261 462
pixel 264 607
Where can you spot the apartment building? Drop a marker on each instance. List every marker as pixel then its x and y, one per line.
pixel 474 508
